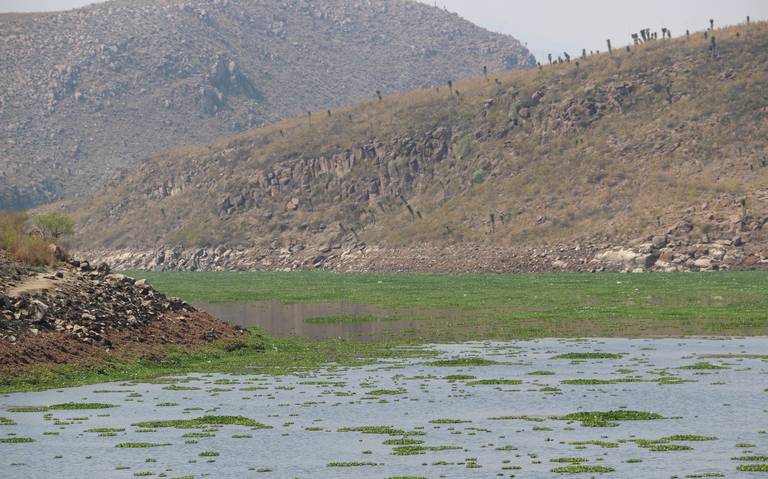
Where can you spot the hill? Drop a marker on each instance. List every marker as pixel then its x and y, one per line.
pixel 652 158
pixel 86 92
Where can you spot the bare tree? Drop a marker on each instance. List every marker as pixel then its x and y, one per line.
pixel 610 48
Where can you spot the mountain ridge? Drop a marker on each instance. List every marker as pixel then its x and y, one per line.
pixel 86 92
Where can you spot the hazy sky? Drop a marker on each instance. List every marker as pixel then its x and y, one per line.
pixel 554 26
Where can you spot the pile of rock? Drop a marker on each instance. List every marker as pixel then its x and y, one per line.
pixel 81 301
pixel 665 254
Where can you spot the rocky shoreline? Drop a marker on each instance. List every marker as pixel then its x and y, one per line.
pixel 75 312
pixel 659 253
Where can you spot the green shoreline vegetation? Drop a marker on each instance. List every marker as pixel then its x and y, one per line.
pixel 490 307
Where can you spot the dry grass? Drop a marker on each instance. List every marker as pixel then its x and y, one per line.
pixel 16 241
pixel 645 160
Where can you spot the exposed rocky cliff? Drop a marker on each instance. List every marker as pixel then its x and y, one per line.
pixel 649 159
pixel 86 92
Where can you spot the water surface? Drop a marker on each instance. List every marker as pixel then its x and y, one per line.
pixel 714 389
pixel 282 319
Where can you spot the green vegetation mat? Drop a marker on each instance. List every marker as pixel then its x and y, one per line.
pixel 499 307
pixel 512 305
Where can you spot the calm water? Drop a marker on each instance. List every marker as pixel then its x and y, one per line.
pixel 291 319
pixel 725 400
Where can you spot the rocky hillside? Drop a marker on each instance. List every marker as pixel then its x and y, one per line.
pixel 652 158
pixel 85 92
pixel 76 312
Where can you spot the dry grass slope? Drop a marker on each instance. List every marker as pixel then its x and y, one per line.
pixel 616 147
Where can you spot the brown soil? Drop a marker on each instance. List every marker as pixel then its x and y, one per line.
pixel 190 331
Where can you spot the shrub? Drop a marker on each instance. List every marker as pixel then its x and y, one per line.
pixel 19 244
pixel 55 225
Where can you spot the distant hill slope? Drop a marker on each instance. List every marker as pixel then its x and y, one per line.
pixel 665 144
pixel 85 92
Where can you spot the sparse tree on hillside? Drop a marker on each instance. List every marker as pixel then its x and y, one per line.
pixel 485 72
pixel 583 53
pixel 450 86
pixel 748 19
pixel 711 24
pixel 549 56
pixel 636 38
pixel 713 46
pixel 378 95
pixel 664 33
pixel 687 34
pixel 329 113
pixel 53 226
pixel 610 48
pixel 309 117
pixel 567 57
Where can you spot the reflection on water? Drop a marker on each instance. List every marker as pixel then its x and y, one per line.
pixel 289 319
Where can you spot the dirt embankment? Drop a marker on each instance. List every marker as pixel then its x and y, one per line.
pixel 76 313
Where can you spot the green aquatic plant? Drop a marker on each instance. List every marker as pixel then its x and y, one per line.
pixel 413 450
pixel 597 382
pixel 204 421
pixel 752 468
pixel 578 356
pixel 74 406
pixel 702 366
pixel 351 464
pixel 15 440
pixel 459 362
pixel 579 469
pixel 385 392
pixel 139 445
pixel 603 444
pixel 402 442
pixel 609 418
pixel 495 382
pixel 385 430
pixel 517 418
pixel 24 409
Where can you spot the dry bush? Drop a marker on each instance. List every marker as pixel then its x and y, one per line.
pixel 19 244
